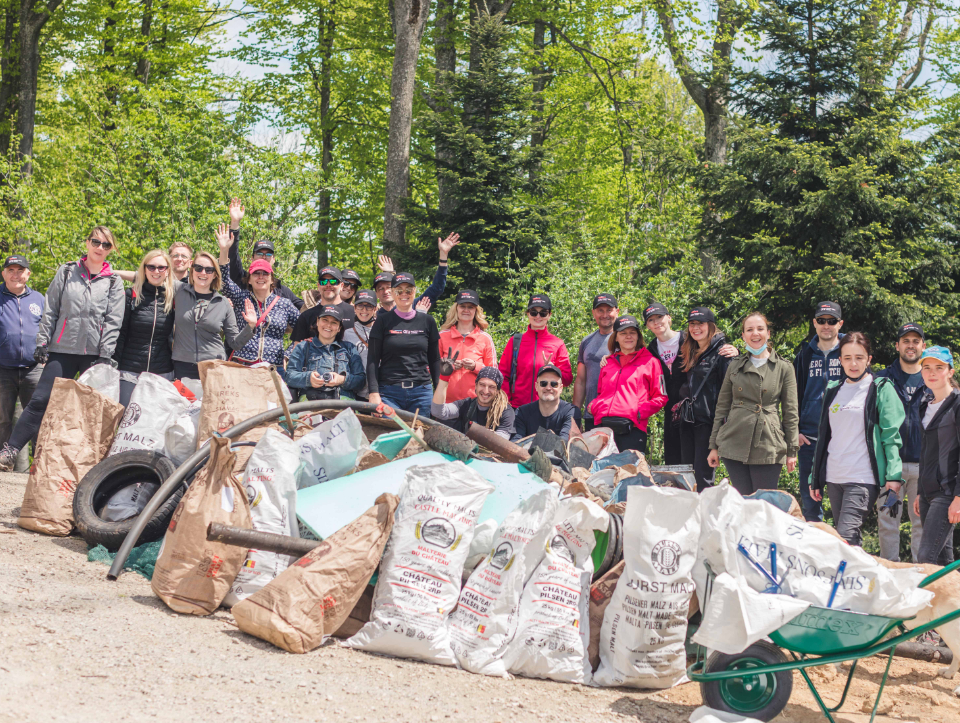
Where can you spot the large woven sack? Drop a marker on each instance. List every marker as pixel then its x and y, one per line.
pixel 192 574
pixel 314 596
pixel 75 435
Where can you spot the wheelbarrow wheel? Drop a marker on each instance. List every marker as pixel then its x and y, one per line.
pixel 758 694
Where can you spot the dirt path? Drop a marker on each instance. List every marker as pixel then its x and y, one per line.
pixel 75 647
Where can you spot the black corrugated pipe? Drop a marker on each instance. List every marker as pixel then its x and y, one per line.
pixel 198 457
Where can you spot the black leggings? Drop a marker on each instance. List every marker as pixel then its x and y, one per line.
pixel 749 478
pixel 636 439
pixel 58 366
pixel 695 442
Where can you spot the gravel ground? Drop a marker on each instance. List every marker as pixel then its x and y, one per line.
pixel 76 647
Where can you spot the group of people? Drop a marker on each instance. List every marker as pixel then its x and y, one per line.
pixel 888 439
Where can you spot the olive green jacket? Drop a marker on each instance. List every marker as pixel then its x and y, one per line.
pixel 758 412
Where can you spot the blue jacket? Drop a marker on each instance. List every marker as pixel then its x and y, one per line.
pixel 808 365
pixel 312 355
pixel 911 431
pixel 19 322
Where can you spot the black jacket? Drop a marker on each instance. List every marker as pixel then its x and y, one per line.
pixel 940 450
pixel 709 371
pixel 673 380
pixel 144 344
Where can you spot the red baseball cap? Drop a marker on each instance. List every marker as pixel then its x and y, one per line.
pixel 261 265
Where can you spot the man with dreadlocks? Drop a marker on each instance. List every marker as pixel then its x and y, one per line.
pixel 490 407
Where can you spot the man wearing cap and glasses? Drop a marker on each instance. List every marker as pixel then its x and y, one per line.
pixel 816 363
pixel 21 309
pixel 907 379
pixel 549 412
pixel 592 350
pixel 328 284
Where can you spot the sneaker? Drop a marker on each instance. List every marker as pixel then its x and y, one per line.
pixel 8 457
pixel 928 638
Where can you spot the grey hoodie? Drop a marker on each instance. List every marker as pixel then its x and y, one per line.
pixel 83 313
pixel 196 340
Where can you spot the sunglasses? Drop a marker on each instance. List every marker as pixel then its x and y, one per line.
pixel 543 313
pixel 155 269
pixel 829 320
pixel 348 285
pixel 544 385
pixel 328 282
pixel 97 243
pixel 201 269
pixel 263 254
pixel 260 274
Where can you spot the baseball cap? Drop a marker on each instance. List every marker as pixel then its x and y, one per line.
pixel 910 327
pixel 261 265
pixel 381 277
pixel 626 322
pixel 539 300
pixel 828 308
pixel 468 296
pixel 330 271
pixel 655 309
pixel 263 245
pixel 365 297
pixel 332 311
pixel 605 300
pixel 701 314
pixel 940 353
pixel 403 278
pixel 351 275
pixel 16 260
pixel 549 368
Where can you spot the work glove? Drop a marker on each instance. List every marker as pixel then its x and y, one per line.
pixel 446 364
pixel 105 360
pixel 891 505
pixel 40 354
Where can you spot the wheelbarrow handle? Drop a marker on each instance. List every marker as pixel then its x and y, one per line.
pixel 940 573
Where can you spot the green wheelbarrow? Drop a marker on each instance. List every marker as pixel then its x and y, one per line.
pixel 757 683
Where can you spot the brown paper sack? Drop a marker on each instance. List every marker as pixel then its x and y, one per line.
pixel 192 574
pixel 315 595
pixel 600 593
pixel 75 434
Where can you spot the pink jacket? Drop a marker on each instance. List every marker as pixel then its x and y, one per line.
pixel 632 389
pixel 536 349
pixel 478 346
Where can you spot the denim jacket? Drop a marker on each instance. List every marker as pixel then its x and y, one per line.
pixel 312 355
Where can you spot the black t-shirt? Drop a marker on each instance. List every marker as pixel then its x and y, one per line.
pixel 529 419
pixel 303 329
pixel 403 350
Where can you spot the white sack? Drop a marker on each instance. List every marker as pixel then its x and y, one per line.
pixel 737 616
pixel 270 481
pixel 128 501
pixel 645 624
pixel 332 449
pixel 481 545
pixel 154 405
pixel 486 616
pixel 104 378
pixel 553 633
pixel 420 573
pixel 180 438
pixel 704 714
pixel 809 556
pixel 600 442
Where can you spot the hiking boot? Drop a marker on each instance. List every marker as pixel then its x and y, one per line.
pixel 8 457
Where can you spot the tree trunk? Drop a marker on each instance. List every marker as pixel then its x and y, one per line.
pixel 445 52
pixel 538 136
pixel 143 63
pixel 9 75
pixel 409 21
pixel 325 229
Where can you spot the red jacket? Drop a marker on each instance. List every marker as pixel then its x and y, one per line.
pixel 537 348
pixel 478 346
pixel 632 389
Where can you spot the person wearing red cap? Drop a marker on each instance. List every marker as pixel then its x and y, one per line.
pixel 525 354
pixel 464 334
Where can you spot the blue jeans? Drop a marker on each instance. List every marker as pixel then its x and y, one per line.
pixel 936 544
pixel 812 510
pixel 409 400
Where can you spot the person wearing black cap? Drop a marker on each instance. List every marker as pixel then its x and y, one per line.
pixel 382 281
pixel 524 354
pixel 489 407
pixel 630 388
pixel 907 379
pixel 326 366
pixel 549 412
pixel 329 282
pixel 350 285
pixel 365 307
pixel 816 362
pixel 592 351
pixel 21 309
pixel 262 249
pixel 403 363
pixel 464 335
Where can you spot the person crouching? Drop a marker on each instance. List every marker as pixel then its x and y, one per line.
pixel 326 366
pixel 490 408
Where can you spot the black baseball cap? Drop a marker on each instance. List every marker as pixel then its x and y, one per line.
pixel 403 278
pixel 605 300
pixel 332 311
pixel 330 271
pixel 468 296
pixel 828 308
pixel 655 309
pixel 263 245
pixel 549 368
pixel 365 297
pixel 908 328
pixel 16 260
pixel 541 301
pixel 701 314
pixel 386 276
pixel 626 322
pixel 350 275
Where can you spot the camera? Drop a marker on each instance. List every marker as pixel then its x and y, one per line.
pixel 328 377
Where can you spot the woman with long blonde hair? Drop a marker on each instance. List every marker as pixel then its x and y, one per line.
pixel 464 335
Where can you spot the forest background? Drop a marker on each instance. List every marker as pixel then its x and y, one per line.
pixel 742 154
